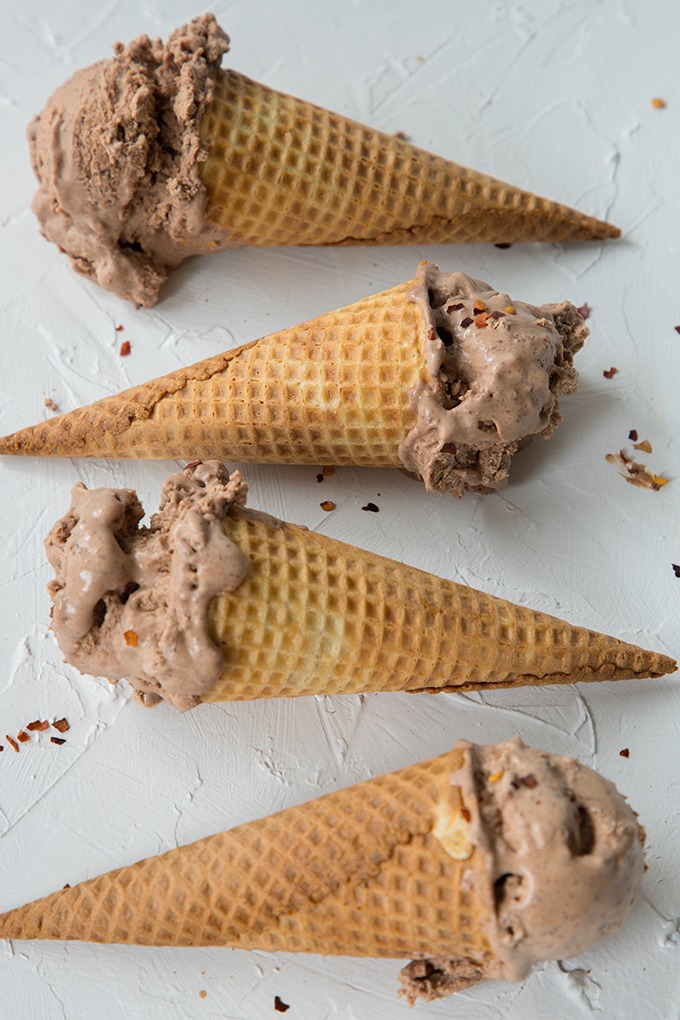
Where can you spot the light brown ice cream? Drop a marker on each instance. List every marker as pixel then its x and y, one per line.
pixel 133 602
pixel 496 369
pixel 117 155
pixel 564 863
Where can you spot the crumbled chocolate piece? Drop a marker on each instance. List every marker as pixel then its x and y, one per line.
pixel 119 329
pixel 625 752
pixel 584 310
pixel 676 569
pixel 450 448
pixel 57 740
pixel 23 736
pixel 319 478
pixel 12 742
pixel 125 349
pixel 454 308
pixel 467 321
pixel 2 747
pixel 38 724
pixel 61 725
pixel 529 781
pixel 280 1006
pixel 503 245
pixel 372 507
pixel 327 505
pixel 609 373
pixel 633 435
pixel 497 315
pixel 677 329
pixel 66 885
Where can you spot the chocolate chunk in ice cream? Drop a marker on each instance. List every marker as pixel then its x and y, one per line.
pixel 495 371
pixel 133 602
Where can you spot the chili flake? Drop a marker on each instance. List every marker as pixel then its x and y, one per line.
pixel 481 320
pixel 23 736
pixel 119 329
pixel 327 505
pixel 609 373
pixel 677 329
pixel 61 725
pixel 454 308
pixel 38 724
pixel 125 349
pixel 12 742
pixel 625 752
pixel 131 638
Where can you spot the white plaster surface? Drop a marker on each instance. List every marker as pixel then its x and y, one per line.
pixel 554 95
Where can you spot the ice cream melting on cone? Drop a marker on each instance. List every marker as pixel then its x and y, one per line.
pixel 134 603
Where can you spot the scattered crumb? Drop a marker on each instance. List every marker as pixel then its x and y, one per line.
pixel 402 135
pixel 676 569
pixel 645 446
pixel 372 508
pixel 23 736
pixel 125 348
pixel 61 725
pixel 202 994
pixel 57 740
pixel 280 1006
pixel 609 373
pixel 12 743
pixel 119 329
pixel 636 474
pixel 633 435
pixel 504 245
pixel 50 404
pixel 659 104
pixel 584 310
pixel 625 752
pixel 327 505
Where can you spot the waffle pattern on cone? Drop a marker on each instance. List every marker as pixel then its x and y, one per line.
pixel 334 390
pixel 283 171
pixel 316 616
pixel 355 872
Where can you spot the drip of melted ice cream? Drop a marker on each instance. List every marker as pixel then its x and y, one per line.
pixel 496 368
pixel 133 602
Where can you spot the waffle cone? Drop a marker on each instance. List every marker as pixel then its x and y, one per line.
pixel 330 391
pixel 282 171
pixel 317 616
pixel 359 872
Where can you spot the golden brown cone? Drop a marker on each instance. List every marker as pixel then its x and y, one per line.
pixel 317 616
pixel 282 171
pixel 334 390
pixel 359 872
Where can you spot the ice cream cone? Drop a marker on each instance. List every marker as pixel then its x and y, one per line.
pixel 282 171
pixel 290 612
pixel 403 378
pixel 405 865
pixel 158 154
pixel 331 391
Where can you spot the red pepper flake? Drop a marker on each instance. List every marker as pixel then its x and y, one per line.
pixel 609 373
pixel 478 307
pixel 39 724
pixel 12 742
pixel 125 349
pixel 504 245
pixel 625 752
pixel 454 308
pixel 280 1006
pixel 449 448
pixel 327 505
pixel 23 736
pixel 645 446
pixel 431 334
pixel 131 638
pixel 193 465
pixel 119 329
pixel 481 320
pixel 659 104
pixel 584 310
pixel 633 435
pixel 677 329
pixel 676 569
pixel 497 315
pixel 529 781
pixel 372 508
pixel 57 740
pixel 61 725
pixel 467 321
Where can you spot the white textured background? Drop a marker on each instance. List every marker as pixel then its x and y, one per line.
pixel 554 96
